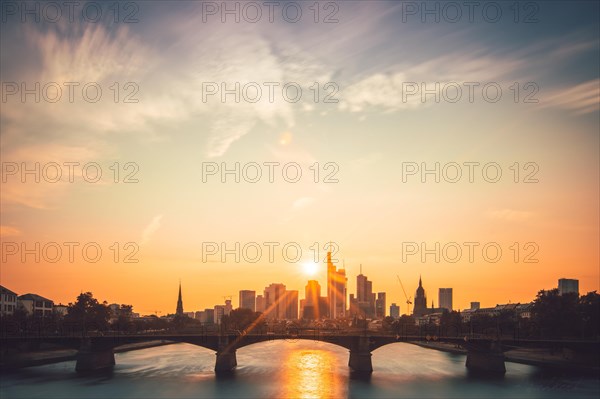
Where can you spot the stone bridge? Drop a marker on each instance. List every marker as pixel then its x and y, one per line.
pixel 97 352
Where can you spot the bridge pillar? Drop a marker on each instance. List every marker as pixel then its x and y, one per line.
pixel 360 356
pixel 486 360
pixel 93 357
pixel 226 361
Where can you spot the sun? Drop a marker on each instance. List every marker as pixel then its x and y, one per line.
pixel 310 268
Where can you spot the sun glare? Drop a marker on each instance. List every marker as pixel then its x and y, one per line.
pixel 310 268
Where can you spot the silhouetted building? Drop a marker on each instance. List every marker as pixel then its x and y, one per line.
pixel 568 286
pixel 475 305
pixel 445 298
pixel 394 311
pixel 336 290
pixel 291 305
pixel 207 316
pixel 248 300
pixel 179 311
pixel 312 293
pixel 380 305
pixel 420 308
pixel 275 305
pixel 365 298
pixel 260 303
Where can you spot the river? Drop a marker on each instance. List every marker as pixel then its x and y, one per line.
pixel 291 369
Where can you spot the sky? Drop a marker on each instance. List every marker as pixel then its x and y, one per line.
pixel 164 98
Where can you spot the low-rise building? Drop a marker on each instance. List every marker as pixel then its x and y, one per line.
pixel 36 305
pixel 8 301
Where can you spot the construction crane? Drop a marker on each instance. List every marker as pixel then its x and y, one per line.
pixel 408 301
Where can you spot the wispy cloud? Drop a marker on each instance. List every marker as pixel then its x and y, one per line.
pixel 9 231
pixel 510 215
pixel 580 99
pixel 152 228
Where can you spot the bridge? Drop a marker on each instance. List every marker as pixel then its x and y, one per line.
pixel 484 354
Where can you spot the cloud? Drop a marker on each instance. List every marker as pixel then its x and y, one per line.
pixel 8 231
pixel 581 99
pixel 151 229
pixel 510 215
pixel 302 203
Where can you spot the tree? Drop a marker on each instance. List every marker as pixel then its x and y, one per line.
pixel 239 319
pixel 589 310
pixel 87 313
pixel 556 315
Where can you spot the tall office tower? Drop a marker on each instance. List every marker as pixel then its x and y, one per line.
pixel 445 299
pixel 291 305
pixel 380 305
pixel 275 301
pixel 394 311
pixel 336 290
pixel 420 308
pixel 260 303
pixel 365 299
pixel 179 311
pixel 568 286
pixel 341 284
pixel 248 300
pixel 312 293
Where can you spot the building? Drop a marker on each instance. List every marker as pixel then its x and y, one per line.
pixel 36 305
pixel 475 305
pixel 61 309
pixel 445 298
pixel 394 311
pixel 336 290
pixel 568 286
pixel 380 305
pixel 179 311
pixel 275 306
pixel 312 293
pixel 260 303
pixel 207 316
pixel 248 300
pixel 8 301
pixel 219 312
pixel 291 305
pixel 365 298
pixel 222 310
pixel 420 307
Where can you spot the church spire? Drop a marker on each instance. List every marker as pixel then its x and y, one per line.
pixel 179 311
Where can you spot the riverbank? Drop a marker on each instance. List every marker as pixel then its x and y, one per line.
pixel 530 356
pixel 40 358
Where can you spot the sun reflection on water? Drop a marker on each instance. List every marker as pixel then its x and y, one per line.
pixel 313 373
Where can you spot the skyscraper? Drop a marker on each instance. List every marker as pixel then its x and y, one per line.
pixel 420 308
pixel 394 311
pixel 312 293
pixel 248 300
pixel 445 298
pixel 274 301
pixel 260 303
pixel 568 286
pixel 365 298
pixel 380 305
pixel 179 311
pixel 330 286
pixel 336 290
pixel 291 305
